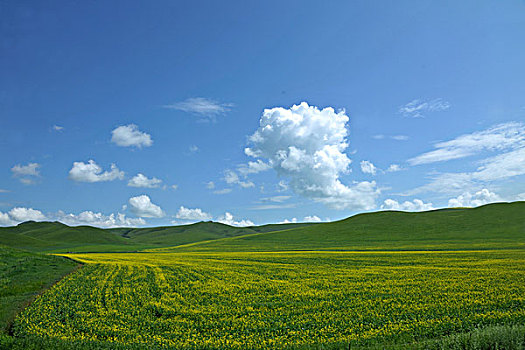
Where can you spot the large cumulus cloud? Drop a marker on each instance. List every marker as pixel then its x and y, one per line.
pixel 307 146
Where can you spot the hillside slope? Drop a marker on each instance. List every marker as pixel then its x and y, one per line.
pixel 57 237
pixel 500 225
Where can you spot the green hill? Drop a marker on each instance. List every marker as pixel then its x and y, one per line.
pixel 500 225
pixel 58 237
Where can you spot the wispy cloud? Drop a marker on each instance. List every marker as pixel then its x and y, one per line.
pixel 417 108
pixel 275 199
pixel 393 137
pixel 58 128
pixel 273 206
pixel 204 107
pixel 504 136
pixel 26 173
pixel 223 191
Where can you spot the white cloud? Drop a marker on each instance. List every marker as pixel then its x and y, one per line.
pixel 194 149
pixel 275 199
pixel 253 167
pixel 282 186
pixel 228 219
pixel 130 135
pixel 5 220
pixel 417 108
pixel 91 172
pixel 500 137
pixel 141 180
pixel 58 128
pixel 368 168
pixel 223 191
pixel 232 178
pixel 31 169
pixel 174 187
pixel 468 199
pixel 291 221
pixel 192 214
pixel 143 207
pixel 273 206
pixel 393 137
pixel 202 107
pixel 508 138
pixel 394 168
pixel 99 219
pixel 399 137
pixel 307 145
pixel 415 205
pixel 27 181
pixel 3 191
pixel 312 218
pixel 26 214
pixel 210 185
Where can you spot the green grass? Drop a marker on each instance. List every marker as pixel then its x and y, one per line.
pixel 57 237
pixel 494 226
pixel 22 276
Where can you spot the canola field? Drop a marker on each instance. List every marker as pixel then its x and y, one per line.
pixel 279 299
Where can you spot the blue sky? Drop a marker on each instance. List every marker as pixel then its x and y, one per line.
pixel 406 105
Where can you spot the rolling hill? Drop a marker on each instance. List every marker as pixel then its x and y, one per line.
pixel 58 237
pixel 499 225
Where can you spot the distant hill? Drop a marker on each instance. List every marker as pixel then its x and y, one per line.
pixel 58 237
pixel 499 225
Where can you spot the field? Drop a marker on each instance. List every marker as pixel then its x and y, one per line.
pixel 22 276
pixel 446 279
pixel 281 299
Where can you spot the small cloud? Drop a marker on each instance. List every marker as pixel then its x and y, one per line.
pixel 415 205
pixel 210 185
pixel 207 108
pixel 194 149
pixel 378 137
pixel 26 214
pixel 174 187
pixel 312 218
pixel 476 199
pixel 143 207
pixel 228 219
pixel 223 191
pixel 26 173
pixel 4 191
pixel 141 180
pixel 99 220
pixel 393 168
pixel 399 137
pixel 282 186
pixel 253 167
pixel 92 172
pixel 417 108
pixel 273 206
pixel 309 218
pixel 31 169
pixel 275 199
pixel 195 214
pixel 232 178
pixel 130 136
pixel 58 128
pixel 368 168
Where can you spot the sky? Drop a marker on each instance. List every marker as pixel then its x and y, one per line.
pixel 133 113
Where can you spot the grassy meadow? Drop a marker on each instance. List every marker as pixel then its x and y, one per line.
pixel 446 279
